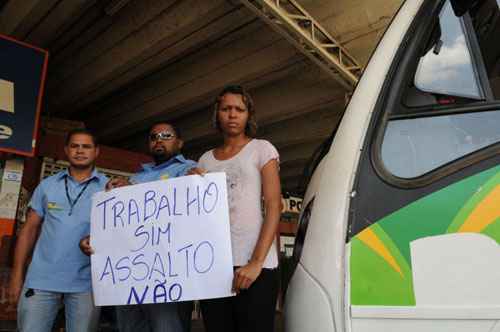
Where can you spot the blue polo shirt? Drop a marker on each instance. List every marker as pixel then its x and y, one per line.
pixel 172 168
pixel 58 265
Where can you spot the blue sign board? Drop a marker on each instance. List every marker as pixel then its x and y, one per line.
pixel 22 76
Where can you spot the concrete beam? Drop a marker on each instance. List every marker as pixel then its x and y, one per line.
pixel 292 185
pixel 192 83
pixel 199 39
pixel 137 142
pixel 87 28
pixel 123 25
pixel 291 97
pixel 291 157
pixel 18 18
pixel 317 125
pixel 198 115
pixel 171 25
pixel 280 105
pixel 293 169
pixel 314 125
pixel 56 20
pixel 300 151
pixel 294 162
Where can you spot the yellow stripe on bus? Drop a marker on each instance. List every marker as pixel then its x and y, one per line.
pixel 369 238
pixel 485 213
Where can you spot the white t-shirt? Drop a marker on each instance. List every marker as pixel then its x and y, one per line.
pixel 244 186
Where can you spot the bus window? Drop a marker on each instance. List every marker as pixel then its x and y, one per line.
pixel 434 124
pixel 446 68
pixel 413 147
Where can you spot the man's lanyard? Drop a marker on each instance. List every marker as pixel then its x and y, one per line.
pixel 73 203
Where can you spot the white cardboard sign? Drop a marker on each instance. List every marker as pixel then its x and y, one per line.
pixel 162 241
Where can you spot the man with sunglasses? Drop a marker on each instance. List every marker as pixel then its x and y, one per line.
pixel 165 144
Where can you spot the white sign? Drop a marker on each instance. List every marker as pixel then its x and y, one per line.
pixel 6 96
pixel 162 241
pixel 291 205
pixel 12 175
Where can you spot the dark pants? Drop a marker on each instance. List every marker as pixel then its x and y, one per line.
pixel 185 313
pixel 158 317
pixel 252 310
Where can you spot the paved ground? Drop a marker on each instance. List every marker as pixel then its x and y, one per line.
pixel 10 326
pixel 198 325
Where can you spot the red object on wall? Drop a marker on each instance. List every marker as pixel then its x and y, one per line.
pixel 6 232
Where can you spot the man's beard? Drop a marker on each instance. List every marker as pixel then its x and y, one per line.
pixel 162 157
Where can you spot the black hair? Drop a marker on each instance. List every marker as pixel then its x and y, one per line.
pixel 251 127
pixel 78 131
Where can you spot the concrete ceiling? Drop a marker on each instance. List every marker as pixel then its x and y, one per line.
pixel 120 65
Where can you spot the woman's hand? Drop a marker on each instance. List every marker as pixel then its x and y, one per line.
pixel 246 275
pixel 85 246
pixel 197 171
pixel 117 183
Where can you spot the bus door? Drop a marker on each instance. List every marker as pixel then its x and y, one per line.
pixel 424 230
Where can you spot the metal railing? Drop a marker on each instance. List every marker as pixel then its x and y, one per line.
pixel 293 22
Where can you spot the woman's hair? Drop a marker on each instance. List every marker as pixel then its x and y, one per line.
pixel 251 127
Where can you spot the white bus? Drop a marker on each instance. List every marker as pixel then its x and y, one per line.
pixel 400 227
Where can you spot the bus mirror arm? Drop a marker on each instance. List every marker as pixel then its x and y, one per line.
pixel 460 7
pixel 437 47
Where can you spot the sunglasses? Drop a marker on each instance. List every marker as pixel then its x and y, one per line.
pixel 163 136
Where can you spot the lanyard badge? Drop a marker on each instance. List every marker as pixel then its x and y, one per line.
pixel 70 201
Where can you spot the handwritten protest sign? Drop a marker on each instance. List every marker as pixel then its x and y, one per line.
pixel 162 241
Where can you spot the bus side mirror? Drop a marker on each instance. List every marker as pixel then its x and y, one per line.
pixel 460 7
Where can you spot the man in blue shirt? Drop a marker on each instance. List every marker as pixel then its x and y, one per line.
pixel 58 273
pixel 165 144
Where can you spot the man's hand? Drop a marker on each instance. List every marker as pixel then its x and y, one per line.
pixel 15 288
pixel 116 183
pixel 197 171
pixel 246 275
pixel 85 246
